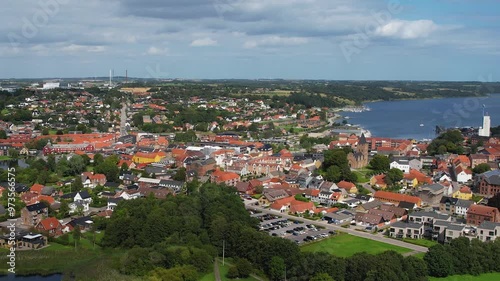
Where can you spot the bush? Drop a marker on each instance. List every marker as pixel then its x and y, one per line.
pixel 244 268
pixel 233 272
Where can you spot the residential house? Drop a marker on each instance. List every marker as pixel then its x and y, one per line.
pixel 91 180
pixel 488 231
pixel 463 206
pixel 113 202
pixel 271 195
pixel 479 213
pixel 365 207
pixel 402 230
pixel 427 218
pixel 23 240
pixel 31 215
pixel 401 164
pixel 378 181
pixel 80 201
pixel 407 205
pixel 348 186
pixel 477 159
pixel 401 213
pixel 445 231
pixel 51 226
pixel 84 223
pixel 464 193
pixel 175 186
pixel 227 178
pixel 463 175
pixel 365 219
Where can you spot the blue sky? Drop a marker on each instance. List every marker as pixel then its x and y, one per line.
pixel 291 39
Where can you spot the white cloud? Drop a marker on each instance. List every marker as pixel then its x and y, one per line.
pixel 403 29
pixel 155 51
pixel 73 48
pixel 273 41
pixel 203 42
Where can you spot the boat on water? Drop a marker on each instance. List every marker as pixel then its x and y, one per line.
pixel 421 125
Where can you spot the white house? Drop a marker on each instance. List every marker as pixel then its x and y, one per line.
pixel 403 165
pixel 463 175
pixel 462 206
pixel 81 201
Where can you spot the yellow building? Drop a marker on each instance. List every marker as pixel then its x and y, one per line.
pixel 147 158
pixel 464 193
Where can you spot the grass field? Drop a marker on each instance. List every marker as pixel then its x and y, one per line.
pixel 482 277
pixel 361 177
pixel 421 242
pixel 4 158
pixel 345 245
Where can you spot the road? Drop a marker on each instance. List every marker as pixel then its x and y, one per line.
pixel 328 226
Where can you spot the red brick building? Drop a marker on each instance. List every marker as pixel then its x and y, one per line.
pixel 479 213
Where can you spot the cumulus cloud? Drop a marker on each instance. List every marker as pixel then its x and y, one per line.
pixel 203 42
pixel 155 51
pixel 407 29
pixel 73 48
pixel 274 41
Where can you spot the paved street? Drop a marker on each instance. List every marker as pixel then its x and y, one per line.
pixel 324 224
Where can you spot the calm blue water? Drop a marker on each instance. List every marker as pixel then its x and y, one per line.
pixel 402 119
pixel 55 277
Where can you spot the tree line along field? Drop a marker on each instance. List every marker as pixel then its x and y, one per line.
pixel 345 245
pixel 482 277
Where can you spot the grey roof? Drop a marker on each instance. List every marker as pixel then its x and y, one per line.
pixel 434 188
pixel 400 224
pixel 371 205
pixel 464 203
pixel 2 209
pixel 47 190
pixel 493 179
pixel 338 216
pixel 489 225
pixel 36 207
pixel 406 205
pixel 430 214
pixel 363 197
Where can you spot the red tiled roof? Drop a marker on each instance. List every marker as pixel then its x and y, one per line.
pixel 50 223
pixel 390 196
pixel 345 185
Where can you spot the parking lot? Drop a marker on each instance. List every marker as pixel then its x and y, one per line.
pixel 289 229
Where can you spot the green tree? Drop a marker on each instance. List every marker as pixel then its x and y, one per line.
pixel 233 273
pixel 394 176
pixel 3 135
pixel 51 163
pixel 13 153
pixel 77 234
pixel 180 175
pixel 76 165
pixel 439 261
pixel 380 163
pixel 63 210
pixel 481 168
pixel 277 268
pixel 244 268
pixel 45 131
pixel 77 184
pixel 322 277
pixel 98 159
